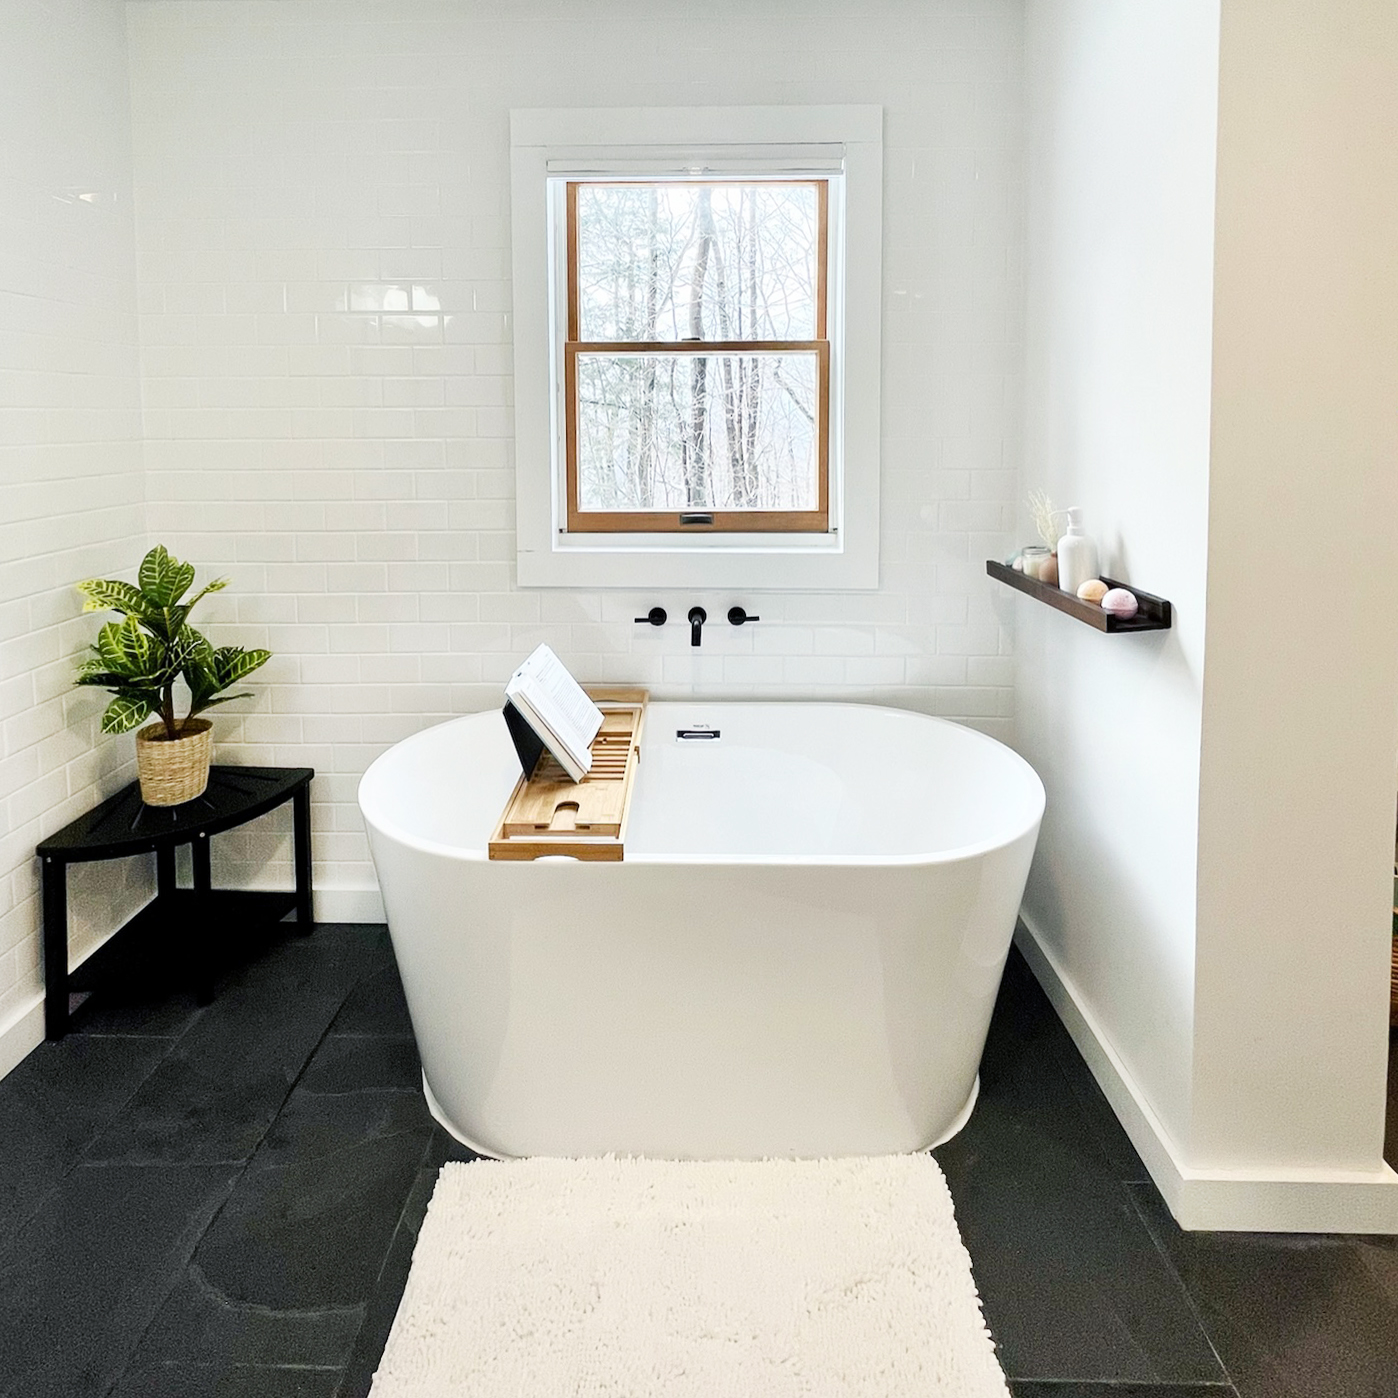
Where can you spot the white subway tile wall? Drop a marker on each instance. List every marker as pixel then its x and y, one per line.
pixel 323 213
pixel 71 486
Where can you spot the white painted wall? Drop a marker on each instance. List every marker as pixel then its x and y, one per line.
pixel 301 167
pixel 71 499
pixel 1213 377
pixel 1121 120
pixel 1301 696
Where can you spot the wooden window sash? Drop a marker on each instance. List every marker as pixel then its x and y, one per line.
pixel 822 189
pixel 815 521
pixel 581 521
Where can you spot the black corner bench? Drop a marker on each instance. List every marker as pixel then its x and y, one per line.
pixel 194 921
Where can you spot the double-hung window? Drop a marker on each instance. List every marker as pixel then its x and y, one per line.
pixel 697 363
pixel 696 331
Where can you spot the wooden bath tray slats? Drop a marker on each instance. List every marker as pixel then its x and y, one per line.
pixel 549 814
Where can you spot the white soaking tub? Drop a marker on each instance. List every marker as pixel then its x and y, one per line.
pixel 798 956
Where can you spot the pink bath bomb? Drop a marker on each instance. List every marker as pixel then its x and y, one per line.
pixel 1120 602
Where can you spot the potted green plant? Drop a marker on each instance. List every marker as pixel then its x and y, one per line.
pixel 138 660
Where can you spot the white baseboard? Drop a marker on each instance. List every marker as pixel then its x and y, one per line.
pixel 1263 1201
pixel 348 905
pixel 22 1035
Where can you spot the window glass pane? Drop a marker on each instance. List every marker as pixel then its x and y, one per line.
pixel 677 261
pixel 697 432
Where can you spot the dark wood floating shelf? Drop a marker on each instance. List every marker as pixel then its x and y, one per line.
pixel 1154 613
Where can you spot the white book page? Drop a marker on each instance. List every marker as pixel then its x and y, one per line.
pixel 558 700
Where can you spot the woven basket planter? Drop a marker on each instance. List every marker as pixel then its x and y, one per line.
pixel 172 773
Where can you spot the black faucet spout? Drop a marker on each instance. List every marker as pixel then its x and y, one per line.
pixel 697 617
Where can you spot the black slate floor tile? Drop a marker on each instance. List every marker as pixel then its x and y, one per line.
pixel 1292 1315
pixel 142 981
pixel 221 1085
pixel 128 1008
pixel 223 1381
pixel 445 1147
pixel 284 1275
pixel 1121 1157
pixel 51 1106
pixel 81 1281
pixel 1072 1283
pixel 388 1291
pixel 290 1290
pixel 201 1321
pixel 357 1063
pixel 1027 1025
pixel 376 1005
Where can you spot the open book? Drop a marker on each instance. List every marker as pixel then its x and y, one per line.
pixel 553 704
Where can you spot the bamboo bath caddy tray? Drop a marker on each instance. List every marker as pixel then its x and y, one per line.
pixel 549 814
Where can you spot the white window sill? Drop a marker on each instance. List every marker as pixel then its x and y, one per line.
pixel 759 561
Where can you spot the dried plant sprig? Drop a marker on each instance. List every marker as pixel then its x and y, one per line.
pixel 1043 514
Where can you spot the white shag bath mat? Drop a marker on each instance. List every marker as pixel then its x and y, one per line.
pixel 690 1279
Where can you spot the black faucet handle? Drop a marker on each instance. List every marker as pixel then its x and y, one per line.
pixel 737 616
pixel 657 616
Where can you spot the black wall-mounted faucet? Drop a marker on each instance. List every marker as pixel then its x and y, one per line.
pixel 697 617
pixel 657 616
pixel 737 616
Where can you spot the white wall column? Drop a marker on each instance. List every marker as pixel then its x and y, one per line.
pixel 1212 375
pixel 1122 121
pixel 1301 666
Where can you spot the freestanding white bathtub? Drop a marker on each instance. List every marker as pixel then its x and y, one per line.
pixel 798 956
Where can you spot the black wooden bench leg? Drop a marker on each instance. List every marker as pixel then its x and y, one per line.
pixel 301 824
pixel 165 870
pixel 55 948
pixel 166 882
pixel 204 933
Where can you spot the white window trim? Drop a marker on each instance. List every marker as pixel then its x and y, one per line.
pixel 544 142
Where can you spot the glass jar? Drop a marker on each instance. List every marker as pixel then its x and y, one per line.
pixel 1036 557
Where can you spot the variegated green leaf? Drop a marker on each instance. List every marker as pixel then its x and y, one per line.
pixel 233 663
pixel 217 585
pixel 197 666
pixel 164 579
pixel 169 622
pixel 173 619
pixel 201 690
pixel 110 650
pixel 110 593
pixel 103 679
pixel 165 623
pixel 185 647
pixel 136 647
pixel 194 645
pixel 126 712
pixel 222 699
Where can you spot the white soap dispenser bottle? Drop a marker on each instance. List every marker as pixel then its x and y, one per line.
pixel 1077 554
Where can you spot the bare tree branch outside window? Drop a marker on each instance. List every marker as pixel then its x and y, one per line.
pixel 697 364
